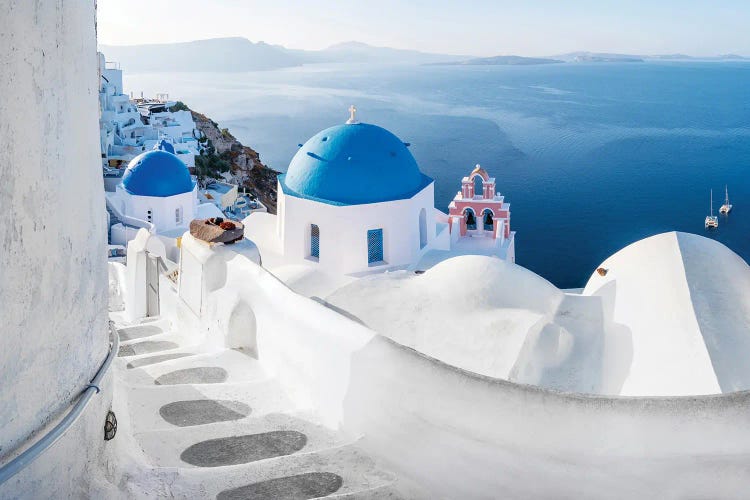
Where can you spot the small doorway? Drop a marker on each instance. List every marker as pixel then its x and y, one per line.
pixel 153 269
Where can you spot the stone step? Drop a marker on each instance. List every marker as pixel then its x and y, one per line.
pixel 244 440
pixel 358 474
pixel 142 361
pixel 168 335
pixel 140 347
pixel 384 492
pixel 225 366
pixel 299 486
pixel 156 326
pixel 261 396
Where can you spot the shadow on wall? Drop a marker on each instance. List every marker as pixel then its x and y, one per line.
pixel 617 357
pixel 578 348
pixel 722 307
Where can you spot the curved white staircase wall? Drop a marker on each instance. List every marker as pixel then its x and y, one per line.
pixel 465 435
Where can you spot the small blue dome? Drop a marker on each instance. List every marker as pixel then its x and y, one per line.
pixel 157 173
pixel 353 164
pixel 164 145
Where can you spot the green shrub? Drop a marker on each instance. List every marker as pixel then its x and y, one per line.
pixel 179 106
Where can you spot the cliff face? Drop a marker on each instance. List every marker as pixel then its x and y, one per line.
pixel 246 168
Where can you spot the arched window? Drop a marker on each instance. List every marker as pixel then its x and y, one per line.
pixel 478 186
pixel 471 219
pixel 314 241
pixel 422 228
pixel 487 220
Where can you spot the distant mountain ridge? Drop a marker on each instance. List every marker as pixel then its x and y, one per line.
pixel 216 54
pixel 236 54
pixel 240 54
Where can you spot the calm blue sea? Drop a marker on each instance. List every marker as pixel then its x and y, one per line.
pixel 591 157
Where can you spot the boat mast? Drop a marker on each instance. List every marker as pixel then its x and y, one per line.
pixel 712 203
pixel 726 195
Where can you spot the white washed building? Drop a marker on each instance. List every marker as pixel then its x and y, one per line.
pixel 354 201
pixel 157 193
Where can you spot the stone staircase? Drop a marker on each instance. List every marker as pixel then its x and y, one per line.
pixel 216 425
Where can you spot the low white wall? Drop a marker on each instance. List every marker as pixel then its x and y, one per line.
pixel 466 436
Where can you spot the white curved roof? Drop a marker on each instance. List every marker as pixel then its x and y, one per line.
pixel 474 312
pixel 670 317
pixel 682 303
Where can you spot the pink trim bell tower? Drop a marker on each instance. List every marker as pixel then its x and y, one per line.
pixel 479 214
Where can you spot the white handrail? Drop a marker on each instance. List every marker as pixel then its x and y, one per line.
pixel 27 457
pixel 131 221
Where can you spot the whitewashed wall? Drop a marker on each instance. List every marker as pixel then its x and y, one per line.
pixel 466 436
pixel 162 208
pixel 53 274
pixel 343 230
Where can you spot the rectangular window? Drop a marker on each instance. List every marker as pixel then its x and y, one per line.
pixel 178 216
pixel 314 241
pixel 374 246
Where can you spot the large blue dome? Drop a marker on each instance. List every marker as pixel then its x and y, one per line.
pixel 157 173
pixel 353 164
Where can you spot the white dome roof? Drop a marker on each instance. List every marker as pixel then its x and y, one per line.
pixel 682 303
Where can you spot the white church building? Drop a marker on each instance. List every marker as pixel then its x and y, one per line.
pixel 354 201
pixel 156 193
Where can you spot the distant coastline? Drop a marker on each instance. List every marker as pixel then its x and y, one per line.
pixel 500 61
pixel 239 54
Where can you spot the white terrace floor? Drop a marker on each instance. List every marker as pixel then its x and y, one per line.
pixel 216 425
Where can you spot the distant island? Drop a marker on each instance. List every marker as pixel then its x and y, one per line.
pixel 502 61
pixel 240 54
pixel 599 57
pixel 620 58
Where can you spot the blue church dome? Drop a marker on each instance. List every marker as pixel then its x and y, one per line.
pixel 164 145
pixel 157 173
pixel 353 164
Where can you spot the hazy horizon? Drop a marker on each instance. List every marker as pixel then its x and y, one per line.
pixel 485 28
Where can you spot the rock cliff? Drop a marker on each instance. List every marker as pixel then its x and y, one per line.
pixel 246 169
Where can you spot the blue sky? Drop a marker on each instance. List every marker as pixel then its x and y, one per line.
pixel 476 27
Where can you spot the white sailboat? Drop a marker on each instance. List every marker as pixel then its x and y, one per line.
pixel 712 220
pixel 726 207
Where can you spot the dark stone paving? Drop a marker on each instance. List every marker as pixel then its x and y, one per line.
pixel 299 487
pixel 137 363
pixel 243 449
pixel 198 375
pixel 203 411
pixel 139 332
pixel 146 347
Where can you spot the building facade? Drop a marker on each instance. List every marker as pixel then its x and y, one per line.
pixel 354 200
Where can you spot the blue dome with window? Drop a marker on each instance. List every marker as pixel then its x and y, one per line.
pixel 353 164
pixel 157 173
